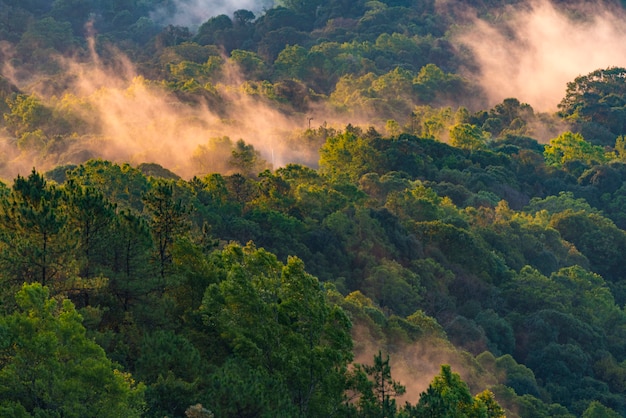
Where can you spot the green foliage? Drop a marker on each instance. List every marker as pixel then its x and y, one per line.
pixel 620 147
pixel 239 388
pixel 467 137
pixel 597 410
pixel 275 318
pixel 378 392
pixel 34 124
pixel 597 99
pixel 509 118
pixel 431 123
pixel 346 156
pixel 246 160
pixel 167 217
pixel 449 396
pixel 507 248
pixel 51 367
pixel 123 184
pixel 595 237
pixel 130 275
pixel 48 33
pixel 394 287
pixel 517 376
pixel 433 85
pixel 169 363
pixel 569 147
pixel 91 216
pixel 36 244
pixel 301 5
pixel 251 64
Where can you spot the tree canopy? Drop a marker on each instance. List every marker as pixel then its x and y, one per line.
pixel 308 209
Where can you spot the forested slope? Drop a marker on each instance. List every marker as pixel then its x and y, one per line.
pixel 316 209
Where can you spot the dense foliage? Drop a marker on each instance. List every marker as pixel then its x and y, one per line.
pixel 438 260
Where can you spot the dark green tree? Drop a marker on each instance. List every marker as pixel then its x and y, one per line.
pixel 377 398
pixel 598 99
pixel 90 214
pixel 167 219
pixel 169 363
pixel 36 244
pixel 276 320
pixel 74 11
pixel 50 367
pixel 131 276
pixel 122 184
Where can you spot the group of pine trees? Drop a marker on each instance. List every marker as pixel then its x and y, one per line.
pixel 436 261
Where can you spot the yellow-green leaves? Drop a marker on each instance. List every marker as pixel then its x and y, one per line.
pixel 569 147
pixel 468 137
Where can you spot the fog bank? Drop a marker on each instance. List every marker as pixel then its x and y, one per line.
pixel 532 50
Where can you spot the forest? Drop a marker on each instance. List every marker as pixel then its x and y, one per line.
pixel 315 208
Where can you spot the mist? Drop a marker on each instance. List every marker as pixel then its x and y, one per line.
pixel 126 118
pixel 533 50
pixel 192 13
pixel 415 364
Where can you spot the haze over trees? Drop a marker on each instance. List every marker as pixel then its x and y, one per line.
pixel 310 211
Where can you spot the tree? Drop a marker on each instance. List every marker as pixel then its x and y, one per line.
pixel 598 98
pixel 431 123
pixel 274 192
pixel 168 219
pixel 28 119
pixel 213 157
pixel 569 147
pixel 218 30
pixel 246 160
pixel 347 155
pixel 292 62
pixel 123 185
pixel 50 368
pixel 249 63
pixel 597 410
pixel 596 237
pixel 74 11
pixel 243 17
pixel 467 136
pixel 431 83
pixel 486 406
pixel 169 362
pixel 241 189
pixel 378 395
pixel 238 389
pixel 301 6
pixel 47 33
pixel 36 243
pixel 90 214
pixel 131 277
pixel 448 396
pixel 276 321
pixel 393 287
pixel 509 118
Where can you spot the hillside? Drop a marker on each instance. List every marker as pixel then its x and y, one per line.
pixel 316 208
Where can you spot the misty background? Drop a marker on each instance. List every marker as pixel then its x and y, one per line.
pixel 528 51
pixel 192 13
